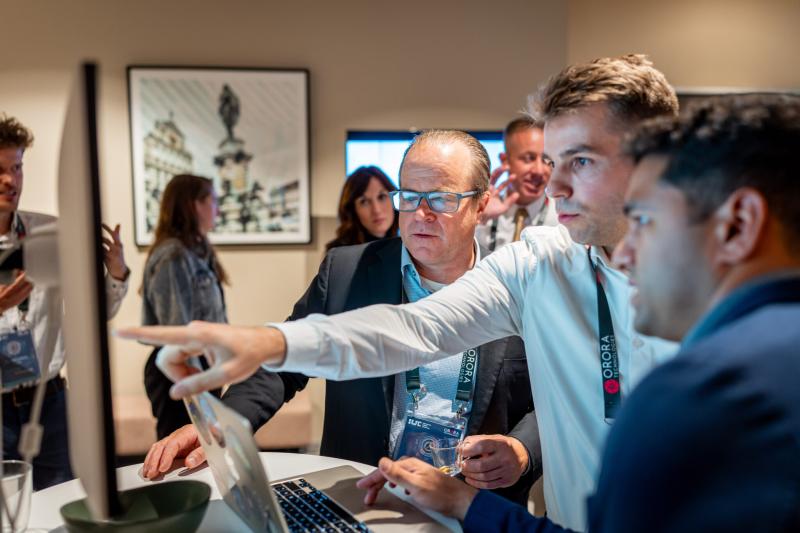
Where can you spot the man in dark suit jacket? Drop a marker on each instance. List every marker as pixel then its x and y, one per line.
pixel 709 441
pixel 504 438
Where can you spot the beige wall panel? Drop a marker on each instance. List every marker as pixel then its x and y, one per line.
pixel 697 43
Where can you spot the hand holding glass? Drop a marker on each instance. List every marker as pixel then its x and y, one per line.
pixel 446 455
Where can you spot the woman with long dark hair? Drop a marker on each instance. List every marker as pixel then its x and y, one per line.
pixel 365 209
pixel 182 280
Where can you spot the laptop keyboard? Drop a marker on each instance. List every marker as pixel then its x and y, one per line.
pixel 306 508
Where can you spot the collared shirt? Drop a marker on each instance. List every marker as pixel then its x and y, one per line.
pixel 541 288
pixel 439 377
pixel 46 326
pixel 495 233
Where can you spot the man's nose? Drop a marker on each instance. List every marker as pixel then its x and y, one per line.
pixel 541 168
pixel 424 211
pixel 558 186
pixel 624 254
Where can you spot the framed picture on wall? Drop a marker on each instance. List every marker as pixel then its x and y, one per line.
pixel 246 129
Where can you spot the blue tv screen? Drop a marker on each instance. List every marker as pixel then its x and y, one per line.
pixel 385 149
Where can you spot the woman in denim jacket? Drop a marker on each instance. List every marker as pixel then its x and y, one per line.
pixel 182 280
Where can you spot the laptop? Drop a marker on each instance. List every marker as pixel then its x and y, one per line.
pixel 326 500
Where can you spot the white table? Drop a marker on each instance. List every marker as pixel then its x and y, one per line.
pixel 45 504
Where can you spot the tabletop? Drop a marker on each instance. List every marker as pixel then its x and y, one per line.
pixel 45 504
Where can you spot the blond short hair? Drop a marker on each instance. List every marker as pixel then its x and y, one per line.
pixel 479 158
pixel 629 84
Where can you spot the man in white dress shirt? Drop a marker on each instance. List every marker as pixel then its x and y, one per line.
pixel 556 288
pixel 520 201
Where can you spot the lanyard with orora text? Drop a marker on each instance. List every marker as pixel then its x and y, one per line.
pixel 466 379
pixel 609 360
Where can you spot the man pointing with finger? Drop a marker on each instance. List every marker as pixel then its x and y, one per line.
pixel 483 392
pixel 556 288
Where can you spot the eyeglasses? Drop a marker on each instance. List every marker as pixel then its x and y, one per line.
pixel 438 201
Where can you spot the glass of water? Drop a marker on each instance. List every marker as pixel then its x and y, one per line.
pixel 446 455
pixel 17 486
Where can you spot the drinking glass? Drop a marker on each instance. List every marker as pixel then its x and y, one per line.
pixel 446 455
pixel 17 486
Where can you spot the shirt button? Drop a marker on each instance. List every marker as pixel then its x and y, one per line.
pixel 637 342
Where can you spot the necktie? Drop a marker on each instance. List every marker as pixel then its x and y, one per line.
pixel 519 222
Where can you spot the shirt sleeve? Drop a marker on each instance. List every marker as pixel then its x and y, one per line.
pixel 483 305
pixel 115 293
pixel 490 512
pixel 170 291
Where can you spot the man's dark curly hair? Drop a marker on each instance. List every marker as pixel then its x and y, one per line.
pixel 13 134
pixel 721 144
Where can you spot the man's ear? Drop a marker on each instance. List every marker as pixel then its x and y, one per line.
pixel 483 201
pixel 739 225
pixel 503 158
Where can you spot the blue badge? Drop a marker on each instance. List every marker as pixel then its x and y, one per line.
pixel 18 361
pixel 420 433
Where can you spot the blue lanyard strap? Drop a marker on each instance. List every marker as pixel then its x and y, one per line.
pixel 466 378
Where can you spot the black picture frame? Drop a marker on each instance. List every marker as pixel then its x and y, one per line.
pixel 247 129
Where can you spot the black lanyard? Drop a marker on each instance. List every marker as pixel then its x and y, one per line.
pixel 609 360
pixel 21 233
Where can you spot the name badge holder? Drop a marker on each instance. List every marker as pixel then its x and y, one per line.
pixel 19 364
pixel 421 432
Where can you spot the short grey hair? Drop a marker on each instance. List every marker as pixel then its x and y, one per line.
pixel 478 155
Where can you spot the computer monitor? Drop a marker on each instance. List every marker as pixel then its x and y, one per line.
pixel 385 149
pixel 90 415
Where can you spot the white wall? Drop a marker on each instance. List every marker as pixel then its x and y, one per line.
pixel 445 63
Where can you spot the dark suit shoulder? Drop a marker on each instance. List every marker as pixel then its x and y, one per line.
pixel 355 253
pixel 725 414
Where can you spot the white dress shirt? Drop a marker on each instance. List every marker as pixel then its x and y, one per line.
pixel 540 213
pixel 46 327
pixel 541 288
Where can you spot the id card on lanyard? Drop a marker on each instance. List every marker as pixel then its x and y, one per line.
pixel 18 362
pixel 421 432
pixel 609 359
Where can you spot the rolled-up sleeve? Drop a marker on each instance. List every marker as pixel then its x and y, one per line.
pixel 115 293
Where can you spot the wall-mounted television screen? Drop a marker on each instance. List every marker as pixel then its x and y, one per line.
pixel 385 149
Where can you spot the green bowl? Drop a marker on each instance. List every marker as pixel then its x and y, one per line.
pixel 157 508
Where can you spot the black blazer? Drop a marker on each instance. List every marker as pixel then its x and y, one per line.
pixel 358 412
